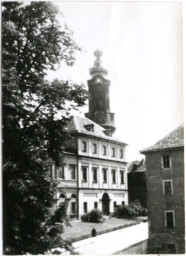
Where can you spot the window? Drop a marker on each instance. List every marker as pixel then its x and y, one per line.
pixel 113 152
pixel 95 176
pixel 73 172
pixel 166 161
pixel 84 173
pixel 84 146
pixel 114 176
pixel 60 172
pixel 123 202
pixel 104 175
pixel 169 219
pixel 121 153
pixel 85 207
pixel 122 177
pixel 171 248
pixel 115 204
pixel 73 208
pixel 95 205
pixel 89 127
pixel 94 148
pixel 167 187
pixel 104 150
pixel 50 170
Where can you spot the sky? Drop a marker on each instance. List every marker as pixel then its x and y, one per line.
pixel 142 51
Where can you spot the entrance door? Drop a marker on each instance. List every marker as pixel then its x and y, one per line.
pixel 105 204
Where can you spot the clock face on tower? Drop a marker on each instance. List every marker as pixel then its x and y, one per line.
pixel 98 80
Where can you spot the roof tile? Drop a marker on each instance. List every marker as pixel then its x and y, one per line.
pixel 172 140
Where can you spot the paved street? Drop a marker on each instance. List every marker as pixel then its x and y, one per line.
pixel 113 242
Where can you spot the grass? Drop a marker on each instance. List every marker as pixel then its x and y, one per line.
pixel 81 230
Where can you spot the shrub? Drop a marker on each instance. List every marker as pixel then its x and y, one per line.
pixel 93 216
pixel 125 211
pixel 132 210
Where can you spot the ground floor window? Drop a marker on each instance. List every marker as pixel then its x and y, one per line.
pixel 73 208
pixel 171 248
pixel 95 205
pixel 85 207
pixel 123 202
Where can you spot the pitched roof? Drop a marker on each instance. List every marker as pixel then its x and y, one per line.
pixel 174 139
pixel 78 124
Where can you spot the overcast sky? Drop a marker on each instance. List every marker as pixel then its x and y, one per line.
pixel 142 51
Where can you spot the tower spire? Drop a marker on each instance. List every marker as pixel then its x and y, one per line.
pixel 98 55
pixel 99 99
pixel 97 69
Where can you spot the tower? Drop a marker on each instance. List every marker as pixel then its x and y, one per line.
pixel 99 99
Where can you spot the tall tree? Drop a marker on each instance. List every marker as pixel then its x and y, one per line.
pixel 35 112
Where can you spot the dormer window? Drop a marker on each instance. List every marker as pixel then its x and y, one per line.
pixel 108 132
pixel 89 127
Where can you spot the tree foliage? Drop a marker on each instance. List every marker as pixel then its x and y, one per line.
pixel 35 112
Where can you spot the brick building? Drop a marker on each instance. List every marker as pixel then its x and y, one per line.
pixel 165 193
pixel 93 173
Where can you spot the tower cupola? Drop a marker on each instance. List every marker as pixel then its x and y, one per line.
pixel 97 69
pixel 99 98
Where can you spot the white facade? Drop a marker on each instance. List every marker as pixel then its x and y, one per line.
pixel 94 176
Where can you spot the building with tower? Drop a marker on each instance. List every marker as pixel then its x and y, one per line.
pixel 92 173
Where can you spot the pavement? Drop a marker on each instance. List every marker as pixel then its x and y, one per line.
pixel 113 242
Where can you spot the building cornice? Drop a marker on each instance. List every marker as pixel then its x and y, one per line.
pixel 77 133
pixel 96 158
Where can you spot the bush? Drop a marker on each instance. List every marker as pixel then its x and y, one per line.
pixel 134 209
pixel 125 211
pixel 93 216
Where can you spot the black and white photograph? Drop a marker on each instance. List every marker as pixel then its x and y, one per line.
pixel 92 128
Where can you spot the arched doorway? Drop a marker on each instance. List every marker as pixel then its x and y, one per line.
pixel 105 204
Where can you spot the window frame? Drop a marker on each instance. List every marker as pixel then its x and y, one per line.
pixel 95 148
pixel 113 151
pixel 85 207
pixel 83 168
pixel 84 146
pixel 73 177
pixel 122 177
pixel 105 175
pixel 60 174
pixel 95 172
pixel 166 163
pixel 173 219
pixel 104 147
pixel 95 205
pixel 73 204
pixel 171 186
pixel 113 176
pixel 121 153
